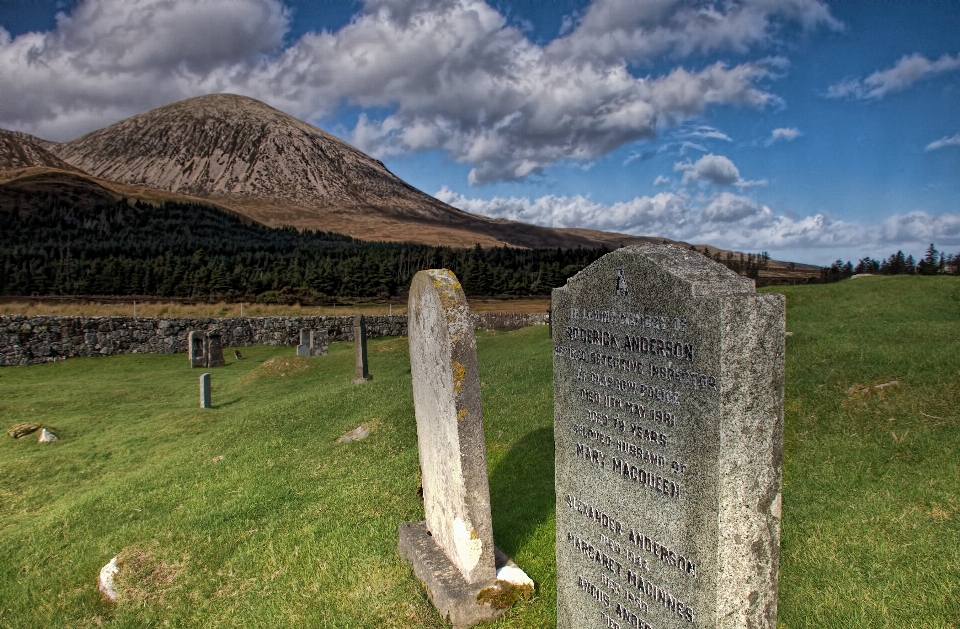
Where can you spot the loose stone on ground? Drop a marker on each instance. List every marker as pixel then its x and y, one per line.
pixel 46 436
pixel 105 581
pixel 22 430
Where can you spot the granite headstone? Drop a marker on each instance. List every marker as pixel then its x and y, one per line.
pixel 205 390
pixel 303 349
pixel 196 345
pixel 360 349
pixel 320 342
pixel 214 349
pixel 668 393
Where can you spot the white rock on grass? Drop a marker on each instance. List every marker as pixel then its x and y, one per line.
pixel 514 575
pixel 358 433
pixel 105 582
pixel 46 436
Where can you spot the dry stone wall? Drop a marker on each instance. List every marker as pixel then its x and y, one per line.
pixel 31 340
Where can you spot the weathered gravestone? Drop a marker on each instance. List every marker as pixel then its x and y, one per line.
pixel 214 349
pixel 360 349
pixel 668 392
pixel 205 390
pixel 196 345
pixel 452 552
pixel 314 343
pixel 320 342
pixel 303 349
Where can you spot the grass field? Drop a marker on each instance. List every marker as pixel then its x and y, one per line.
pixel 251 515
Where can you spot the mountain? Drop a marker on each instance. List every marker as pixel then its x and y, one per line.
pixel 33 187
pixel 20 150
pixel 277 170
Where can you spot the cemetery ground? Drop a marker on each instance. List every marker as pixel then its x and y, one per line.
pixel 250 514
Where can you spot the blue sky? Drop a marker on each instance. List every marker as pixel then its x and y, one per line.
pixel 811 130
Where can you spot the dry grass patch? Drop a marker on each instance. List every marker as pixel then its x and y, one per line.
pixel 146 577
pixel 282 366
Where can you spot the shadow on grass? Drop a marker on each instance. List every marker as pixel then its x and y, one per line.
pixel 522 494
pixel 228 403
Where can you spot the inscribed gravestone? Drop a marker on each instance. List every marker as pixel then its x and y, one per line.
pixel 196 344
pixel 452 552
pixel 360 349
pixel 214 349
pixel 668 389
pixel 320 342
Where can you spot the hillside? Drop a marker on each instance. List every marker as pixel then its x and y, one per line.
pixel 240 155
pixel 278 170
pixel 32 188
pixel 20 150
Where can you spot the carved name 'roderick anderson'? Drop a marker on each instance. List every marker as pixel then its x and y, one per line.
pixel 668 390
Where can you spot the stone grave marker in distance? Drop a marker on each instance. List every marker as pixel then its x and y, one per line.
pixel 214 349
pixel 668 393
pixel 303 349
pixel 205 390
pixel 196 346
pixel 360 349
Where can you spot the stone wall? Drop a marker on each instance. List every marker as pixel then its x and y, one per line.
pixel 26 340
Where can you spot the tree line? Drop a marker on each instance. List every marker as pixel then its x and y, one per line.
pixel 933 263
pixel 193 251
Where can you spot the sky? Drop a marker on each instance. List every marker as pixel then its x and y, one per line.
pixel 812 130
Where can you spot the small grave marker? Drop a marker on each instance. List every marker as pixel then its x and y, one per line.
pixel 196 345
pixel 205 390
pixel 214 351
pixel 320 342
pixel 303 349
pixel 668 393
pixel 360 349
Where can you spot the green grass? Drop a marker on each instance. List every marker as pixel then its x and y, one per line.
pixel 290 528
pixel 871 499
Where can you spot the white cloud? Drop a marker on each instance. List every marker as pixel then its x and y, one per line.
pixel 907 71
pixel 787 133
pixel 725 220
pixel 713 135
pixel 944 141
pixel 110 59
pixel 716 169
pixel 661 180
pixel 644 31
pixel 454 74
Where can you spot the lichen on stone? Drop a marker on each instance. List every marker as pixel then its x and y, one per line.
pixel 503 594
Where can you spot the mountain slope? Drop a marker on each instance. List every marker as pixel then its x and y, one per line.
pixel 278 170
pixel 20 150
pixel 32 188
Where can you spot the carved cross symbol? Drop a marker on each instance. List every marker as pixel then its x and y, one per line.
pixel 621 290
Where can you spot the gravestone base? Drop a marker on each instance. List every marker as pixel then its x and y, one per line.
pixel 460 603
pixel 362 379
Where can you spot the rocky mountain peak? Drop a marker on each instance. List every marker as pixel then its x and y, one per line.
pixel 224 144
